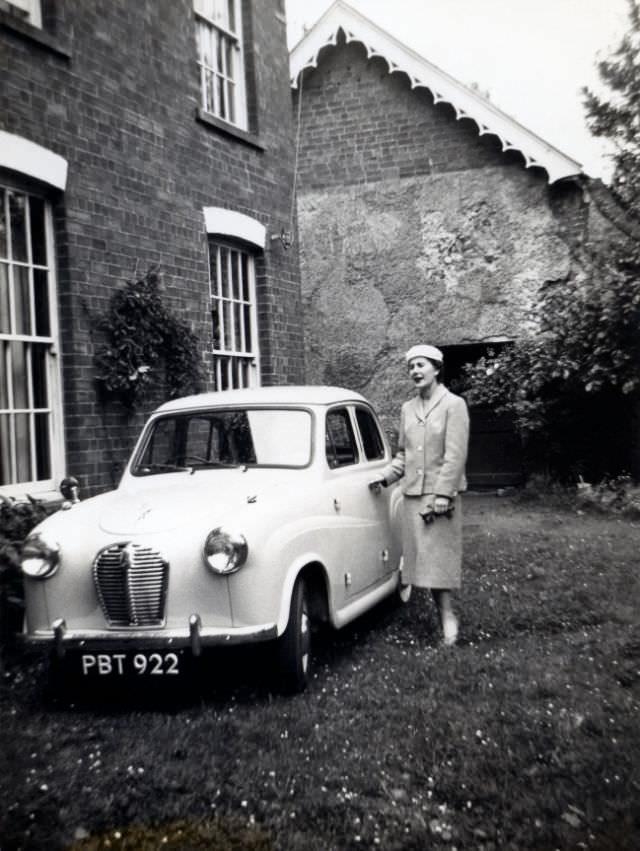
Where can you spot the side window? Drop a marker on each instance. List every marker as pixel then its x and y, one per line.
pixel 371 438
pixel 340 440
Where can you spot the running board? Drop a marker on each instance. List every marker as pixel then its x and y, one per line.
pixel 365 602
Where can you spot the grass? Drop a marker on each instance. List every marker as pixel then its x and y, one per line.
pixel 524 736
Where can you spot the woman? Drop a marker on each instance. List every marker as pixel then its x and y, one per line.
pixel 432 451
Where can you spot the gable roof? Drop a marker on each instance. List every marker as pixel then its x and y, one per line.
pixel 422 73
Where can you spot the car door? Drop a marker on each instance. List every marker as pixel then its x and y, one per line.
pixel 375 457
pixel 360 521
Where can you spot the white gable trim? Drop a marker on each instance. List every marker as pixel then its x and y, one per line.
pixel 422 73
pixel 28 158
pixel 230 223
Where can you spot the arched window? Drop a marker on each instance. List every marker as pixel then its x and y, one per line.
pixel 233 241
pixel 31 441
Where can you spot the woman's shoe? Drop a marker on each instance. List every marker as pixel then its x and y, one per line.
pixel 450 629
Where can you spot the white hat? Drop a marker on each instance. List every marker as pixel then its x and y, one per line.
pixel 424 351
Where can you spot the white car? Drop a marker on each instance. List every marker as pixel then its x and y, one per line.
pixel 242 516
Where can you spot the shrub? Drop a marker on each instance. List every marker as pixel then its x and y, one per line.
pixel 573 389
pixel 616 494
pixel 17 519
pixel 545 489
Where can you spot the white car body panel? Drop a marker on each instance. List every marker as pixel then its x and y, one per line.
pixel 290 517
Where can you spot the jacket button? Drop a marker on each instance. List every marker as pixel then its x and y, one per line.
pixel 419 471
pixel 419 448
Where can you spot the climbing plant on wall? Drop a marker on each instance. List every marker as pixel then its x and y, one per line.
pixel 146 345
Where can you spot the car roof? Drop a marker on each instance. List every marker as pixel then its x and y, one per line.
pixel 284 394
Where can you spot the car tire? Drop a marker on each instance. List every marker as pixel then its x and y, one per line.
pixel 294 645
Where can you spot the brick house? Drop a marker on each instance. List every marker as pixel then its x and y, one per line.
pixel 134 134
pixel 425 213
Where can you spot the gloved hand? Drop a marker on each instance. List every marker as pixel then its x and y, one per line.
pixel 376 485
pixel 441 504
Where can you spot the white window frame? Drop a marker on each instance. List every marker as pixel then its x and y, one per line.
pixel 42 488
pixel 219 28
pixel 236 358
pixel 31 11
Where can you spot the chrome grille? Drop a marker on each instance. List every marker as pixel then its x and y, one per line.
pixel 131 581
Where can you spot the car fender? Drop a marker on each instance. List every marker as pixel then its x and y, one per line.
pixel 276 555
pixel 294 570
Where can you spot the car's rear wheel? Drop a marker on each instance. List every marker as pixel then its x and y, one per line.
pixel 294 645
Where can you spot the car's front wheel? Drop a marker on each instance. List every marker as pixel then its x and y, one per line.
pixel 294 645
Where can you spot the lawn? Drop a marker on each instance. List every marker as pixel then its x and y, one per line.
pixel 524 736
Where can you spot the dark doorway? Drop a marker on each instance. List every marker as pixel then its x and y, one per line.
pixel 495 454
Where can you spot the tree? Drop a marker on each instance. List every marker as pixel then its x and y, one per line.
pixel 616 115
pixel 571 388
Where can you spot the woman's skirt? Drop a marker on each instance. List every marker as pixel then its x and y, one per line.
pixel 432 553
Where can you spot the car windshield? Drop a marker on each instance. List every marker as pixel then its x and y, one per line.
pixel 262 437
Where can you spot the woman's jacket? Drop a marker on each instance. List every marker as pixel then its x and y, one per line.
pixel 432 445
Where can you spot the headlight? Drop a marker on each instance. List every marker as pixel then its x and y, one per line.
pixel 40 556
pixel 225 551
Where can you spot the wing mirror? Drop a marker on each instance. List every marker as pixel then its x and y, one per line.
pixel 69 488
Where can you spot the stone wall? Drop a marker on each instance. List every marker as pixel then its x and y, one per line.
pixel 413 227
pixel 449 259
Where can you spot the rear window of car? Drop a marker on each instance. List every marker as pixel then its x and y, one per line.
pixel 340 441
pixel 260 437
pixel 372 441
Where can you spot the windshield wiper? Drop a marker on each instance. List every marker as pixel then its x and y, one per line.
pixel 156 467
pixel 222 464
pixel 163 468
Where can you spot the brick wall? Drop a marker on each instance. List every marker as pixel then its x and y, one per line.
pixel 361 124
pixel 113 87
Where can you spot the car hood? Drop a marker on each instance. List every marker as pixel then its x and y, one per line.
pixel 182 500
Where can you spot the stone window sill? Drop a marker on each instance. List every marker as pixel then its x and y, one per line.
pixel 34 34
pixel 229 130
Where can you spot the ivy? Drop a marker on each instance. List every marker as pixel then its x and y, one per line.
pixel 145 346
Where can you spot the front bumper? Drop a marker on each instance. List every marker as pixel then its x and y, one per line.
pixel 194 636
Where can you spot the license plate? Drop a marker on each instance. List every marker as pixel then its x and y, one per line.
pixel 165 664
